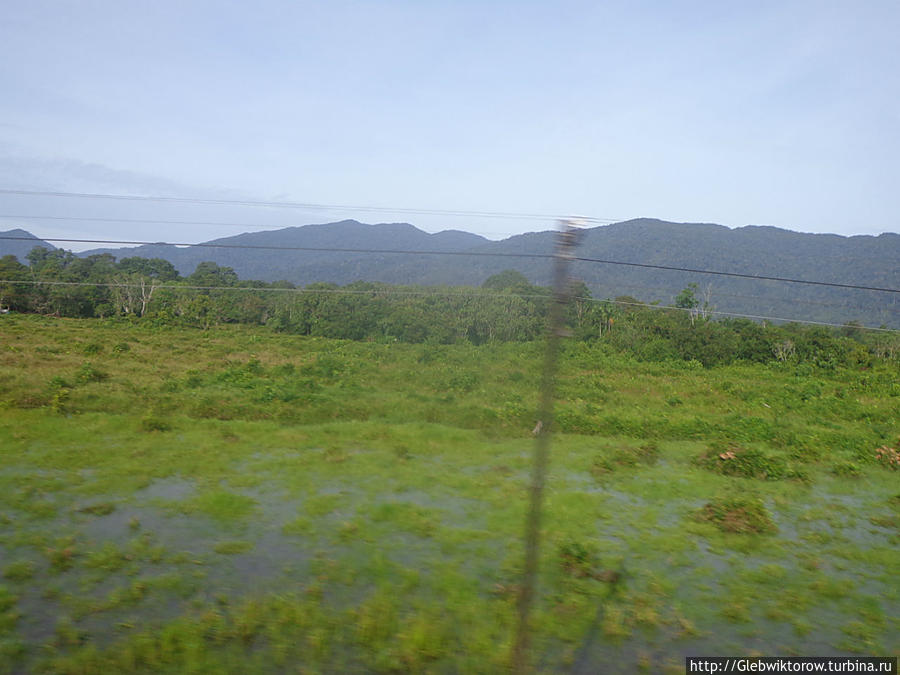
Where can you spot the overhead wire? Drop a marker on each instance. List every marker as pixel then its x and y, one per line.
pixel 302 205
pixel 383 292
pixel 482 294
pixel 741 275
pixel 208 223
pixel 668 291
pixel 394 251
pixel 485 254
pixel 276 289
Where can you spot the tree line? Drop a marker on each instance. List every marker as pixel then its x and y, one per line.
pixel 506 307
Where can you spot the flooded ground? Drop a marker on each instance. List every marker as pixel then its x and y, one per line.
pixel 141 532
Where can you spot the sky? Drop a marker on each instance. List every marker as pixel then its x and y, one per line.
pixel 781 113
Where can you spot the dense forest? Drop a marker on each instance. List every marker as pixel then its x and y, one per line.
pixel 506 307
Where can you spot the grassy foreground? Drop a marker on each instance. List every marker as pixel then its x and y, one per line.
pixel 177 500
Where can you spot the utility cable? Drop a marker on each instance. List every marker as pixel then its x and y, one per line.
pixel 740 275
pixel 154 221
pixel 384 292
pixel 300 205
pixel 481 254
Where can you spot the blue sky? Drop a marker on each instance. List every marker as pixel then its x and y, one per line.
pixel 769 113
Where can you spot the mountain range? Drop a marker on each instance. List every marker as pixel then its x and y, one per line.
pixel 766 251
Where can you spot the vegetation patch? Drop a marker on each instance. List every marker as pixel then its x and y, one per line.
pixel 233 547
pixel 153 423
pixel 888 457
pixel 109 558
pixel 625 457
pixel 222 506
pixel 403 515
pixel 734 460
pixel 21 570
pixel 92 348
pixel 62 556
pixel 847 469
pixel 738 515
pixel 390 485
pixel 8 614
pixel 582 561
pixel 89 373
pixel 98 509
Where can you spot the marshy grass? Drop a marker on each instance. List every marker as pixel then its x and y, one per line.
pixel 237 500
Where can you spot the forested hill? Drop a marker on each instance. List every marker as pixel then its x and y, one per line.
pixel 304 267
pixel 859 260
pixel 20 243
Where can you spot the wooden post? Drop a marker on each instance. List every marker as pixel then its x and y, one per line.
pixel 565 244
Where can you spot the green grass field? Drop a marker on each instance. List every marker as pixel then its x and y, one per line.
pixel 232 500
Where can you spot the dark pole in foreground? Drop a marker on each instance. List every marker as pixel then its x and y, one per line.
pixel 566 241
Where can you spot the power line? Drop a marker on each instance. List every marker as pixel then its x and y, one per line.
pixel 303 205
pixel 485 254
pixel 759 277
pixel 389 291
pixel 744 316
pixel 450 294
pixel 719 295
pixel 271 247
pixel 267 289
pixel 152 221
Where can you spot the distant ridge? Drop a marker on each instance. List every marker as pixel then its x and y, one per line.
pixel 759 250
pixel 20 249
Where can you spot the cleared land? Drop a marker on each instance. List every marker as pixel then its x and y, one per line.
pixel 234 500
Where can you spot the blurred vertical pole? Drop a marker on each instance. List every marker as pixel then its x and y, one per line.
pixel 565 244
